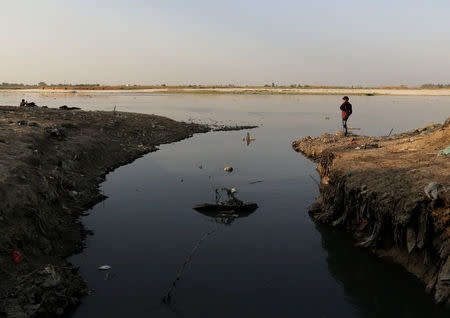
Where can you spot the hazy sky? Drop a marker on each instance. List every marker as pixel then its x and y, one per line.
pixel 348 42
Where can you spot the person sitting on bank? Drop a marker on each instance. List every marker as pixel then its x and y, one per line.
pixel 346 108
pixel 23 103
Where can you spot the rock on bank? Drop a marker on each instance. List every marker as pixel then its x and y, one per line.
pixel 51 162
pixel 393 194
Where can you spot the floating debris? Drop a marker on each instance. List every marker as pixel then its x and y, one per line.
pixel 228 169
pixel 226 211
pixel 104 267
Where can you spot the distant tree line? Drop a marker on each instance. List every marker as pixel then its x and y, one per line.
pixel 4 84
pixel 435 86
pixel 43 84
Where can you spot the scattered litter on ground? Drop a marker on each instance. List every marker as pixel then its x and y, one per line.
pixel 31 104
pixel 16 256
pixel 65 107
pixel 58 133
pixel 104 267
pixel 432 190
pixel 445 151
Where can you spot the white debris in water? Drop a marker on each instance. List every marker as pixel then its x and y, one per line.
pixel 104 267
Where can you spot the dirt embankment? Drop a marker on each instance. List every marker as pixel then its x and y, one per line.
pixel 393 194
pixel 51 162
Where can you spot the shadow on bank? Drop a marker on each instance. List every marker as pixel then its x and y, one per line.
pixel 376 288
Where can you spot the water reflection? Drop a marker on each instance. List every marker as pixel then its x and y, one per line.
pixel 375 288
pixel 168 297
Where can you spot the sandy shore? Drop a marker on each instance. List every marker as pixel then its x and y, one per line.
pixel 257 91
pixel 381 190
pixel 51 163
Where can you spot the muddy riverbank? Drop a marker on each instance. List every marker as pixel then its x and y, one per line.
pixel 393 194
pixel 51 163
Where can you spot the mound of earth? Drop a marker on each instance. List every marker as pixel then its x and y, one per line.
pixel 393 193
pixel 51 163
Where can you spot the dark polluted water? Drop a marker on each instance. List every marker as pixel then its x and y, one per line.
pixel 273 262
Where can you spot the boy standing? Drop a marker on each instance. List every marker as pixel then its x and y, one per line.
pixel 346 108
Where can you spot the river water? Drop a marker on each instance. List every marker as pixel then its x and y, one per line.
pixel 275 261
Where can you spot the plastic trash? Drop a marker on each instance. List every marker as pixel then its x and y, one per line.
pixel 104 267
pixel 432 190
pixel 16 256
pixel 228 169
pixel 445 151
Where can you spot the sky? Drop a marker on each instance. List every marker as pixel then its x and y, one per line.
pixel 240 42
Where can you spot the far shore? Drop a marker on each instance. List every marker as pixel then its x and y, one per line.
pixel 247 91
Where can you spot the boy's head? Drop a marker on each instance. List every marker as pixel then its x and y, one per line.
pixel 345 98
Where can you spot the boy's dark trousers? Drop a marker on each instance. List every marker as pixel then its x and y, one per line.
pixel 344 124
